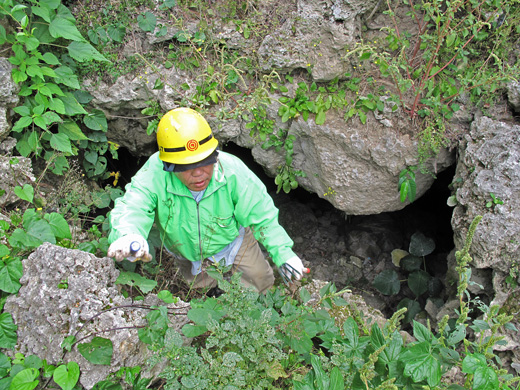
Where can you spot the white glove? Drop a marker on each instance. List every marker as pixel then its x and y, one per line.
pixel 132 247
pixel 292 270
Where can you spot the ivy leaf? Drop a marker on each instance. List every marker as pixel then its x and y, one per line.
pixel 134 279
pixel 418 282
pixel 26 193
pixel 66 376
pixel 98 351
pixel 413 308
pixel 10 275
pixel 84 51
pixel 8 329
pixel 411 263
pixel 147 21
pixel 420 245
pixel 25 379
pixel 387 282
pixel 59 225
pixel 42 231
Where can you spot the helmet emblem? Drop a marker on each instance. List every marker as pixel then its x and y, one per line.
pixel 192 145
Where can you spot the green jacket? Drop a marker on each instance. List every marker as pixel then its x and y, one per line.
pixel 234 197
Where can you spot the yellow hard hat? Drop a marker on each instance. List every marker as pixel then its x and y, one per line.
pixel 184 137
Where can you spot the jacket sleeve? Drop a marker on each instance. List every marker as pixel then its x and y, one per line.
pixel 255 208
pixel 134 212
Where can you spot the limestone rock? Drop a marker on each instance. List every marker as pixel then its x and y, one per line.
pixel 489 163
pixel 69 292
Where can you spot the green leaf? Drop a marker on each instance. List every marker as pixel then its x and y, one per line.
pixel 134 279
pixel 320 117
pixel 42 231
pixel 485 378
pixel 5 365
pixel 190 330
pixel 61 143
pixel 26 193
pixel 147 21
pixel 72 107
pixel 8 329
pixel 59 225
pixel 98 351
pixel 420 245
pixel 411 263
pixel 84 51
pixel 387 282
pixel 71 130
pixel 418 282
pixel 66 376
pixel 421 365
pixel 65 28
pixel 10 274
pixel 25 379
pixel 413 308
pixel 66 76
pixel 96 120
pixel 472 362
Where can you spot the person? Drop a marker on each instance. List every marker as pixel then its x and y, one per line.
pixel 207 205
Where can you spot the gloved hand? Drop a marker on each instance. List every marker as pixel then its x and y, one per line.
pixel 132 247
pixel 292 270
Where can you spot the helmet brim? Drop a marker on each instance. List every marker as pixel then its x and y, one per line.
pixel 210 160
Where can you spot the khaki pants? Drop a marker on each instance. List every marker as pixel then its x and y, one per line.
pixel 250 260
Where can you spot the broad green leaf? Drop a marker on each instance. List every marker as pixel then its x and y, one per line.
pixel 50 59
pixel 84 51
pixel 201 316
pixel 421 332
pixel 98 351
pixel 96 120
pixel 66 376
pixel 72 107
pixel 56 104
pixel 413 308
pixel 190 330
pixel 450 39
pixel 387 282
pixel 320 117
pixel 52 4
pixel 59 225
pixel 485 378
pixel 8 329
pixel 61 143
pixel 411 263
pixel 20 239
pixel 10 273
pixel 472 362
pixel 5 365
pixel 147 21
pixel 42 231
pixel 64 28
pixel 418 282
pixel 397 256
pixel 421 365
pixel 66 76
pixel 336 380
pixel 134 279
pixel 4 250
pixel 420 245
pixel 26 193
pixel 72 131
pixel 25 379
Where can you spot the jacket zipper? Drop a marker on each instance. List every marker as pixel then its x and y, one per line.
pixel 200 233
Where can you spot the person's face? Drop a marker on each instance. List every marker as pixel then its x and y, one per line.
pixel 196 179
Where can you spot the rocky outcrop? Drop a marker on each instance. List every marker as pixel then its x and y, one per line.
pixel 8 96
pixel 487 183
pixel 73 293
